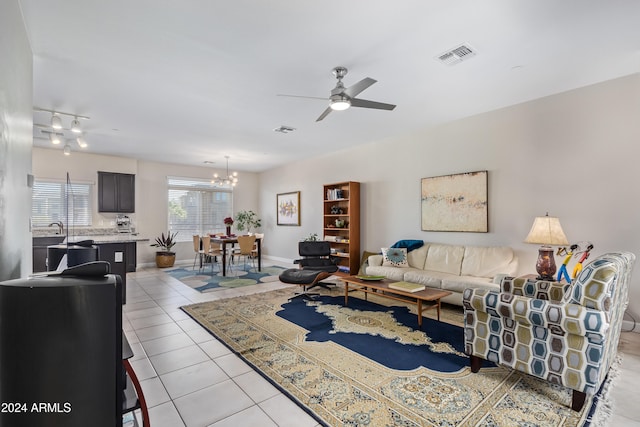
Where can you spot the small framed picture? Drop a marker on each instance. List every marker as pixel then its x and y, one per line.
pixel 288 205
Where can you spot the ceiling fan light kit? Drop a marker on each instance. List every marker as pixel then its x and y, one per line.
pixel 340 103
pixel 342 98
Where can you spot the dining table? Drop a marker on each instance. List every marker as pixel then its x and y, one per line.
pixel 232 240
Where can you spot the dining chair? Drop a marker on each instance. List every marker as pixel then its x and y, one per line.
pixel 254 251
pixel 214 253
pixel 203 248
pixel 245 249
pixel 199 252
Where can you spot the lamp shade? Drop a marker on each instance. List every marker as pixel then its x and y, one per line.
pixel 546 230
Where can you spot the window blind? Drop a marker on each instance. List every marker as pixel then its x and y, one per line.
pixel 197 207
pixel 50 202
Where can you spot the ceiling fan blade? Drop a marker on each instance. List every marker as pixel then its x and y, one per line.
pixel 371 104
pixel 324 114
pixel 353 90
pixel 302 96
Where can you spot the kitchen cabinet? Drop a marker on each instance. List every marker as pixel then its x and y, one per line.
pixel 115 255
pixel 39 246
pixel 116 192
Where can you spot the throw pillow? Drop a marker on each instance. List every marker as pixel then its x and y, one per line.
pixel 394 257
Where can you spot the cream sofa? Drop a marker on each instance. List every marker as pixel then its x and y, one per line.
pixel 450 267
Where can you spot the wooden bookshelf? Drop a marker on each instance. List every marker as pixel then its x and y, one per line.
pixel 342 204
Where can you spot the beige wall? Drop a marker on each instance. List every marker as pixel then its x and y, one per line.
pixel 574 155
pixel 151 216
pixel 16 124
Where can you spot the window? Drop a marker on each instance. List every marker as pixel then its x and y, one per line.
pixel 50 203
pixel 197 207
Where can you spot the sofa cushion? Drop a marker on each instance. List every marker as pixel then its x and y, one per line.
pixel 460 283
pixel 488 261
pixel 431 279
pixel 417 257
pixel 394 257
pixel 393 273
pixel 444 258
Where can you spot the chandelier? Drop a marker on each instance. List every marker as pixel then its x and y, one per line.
pixel 230 179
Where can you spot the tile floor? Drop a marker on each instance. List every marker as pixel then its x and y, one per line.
pixel 191 379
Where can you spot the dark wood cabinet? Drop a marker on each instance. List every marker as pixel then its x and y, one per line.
pixel 115 255
pixel 116 192
pixel 130 254
pixel 40 245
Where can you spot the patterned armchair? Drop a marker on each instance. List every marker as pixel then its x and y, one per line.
pixel 565 334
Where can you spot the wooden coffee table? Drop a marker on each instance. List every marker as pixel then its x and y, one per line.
pixel 381 288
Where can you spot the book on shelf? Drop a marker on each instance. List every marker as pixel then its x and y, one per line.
pixel 407 286
pixel 344 268
pixel 335 194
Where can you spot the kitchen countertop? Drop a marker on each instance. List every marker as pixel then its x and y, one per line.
pixel 110 238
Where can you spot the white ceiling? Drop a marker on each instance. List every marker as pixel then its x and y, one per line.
pixel 188 81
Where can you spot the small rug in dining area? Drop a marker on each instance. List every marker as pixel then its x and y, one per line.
pixel 206 281
pixel 366 365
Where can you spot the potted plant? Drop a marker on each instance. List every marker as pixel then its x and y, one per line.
pixel 248 220
pixel 312 237
pixel 165 257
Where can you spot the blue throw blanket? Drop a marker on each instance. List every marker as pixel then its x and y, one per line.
pixel 408 244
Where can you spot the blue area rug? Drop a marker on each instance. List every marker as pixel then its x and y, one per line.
pixel 205 281
pixel 358 327
pixel 367 365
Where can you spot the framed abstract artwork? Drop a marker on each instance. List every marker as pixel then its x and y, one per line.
pixel 455 202
pixel 288 208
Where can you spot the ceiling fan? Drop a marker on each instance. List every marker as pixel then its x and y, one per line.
pixel 344 97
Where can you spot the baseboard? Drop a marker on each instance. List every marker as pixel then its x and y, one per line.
pixel 627 326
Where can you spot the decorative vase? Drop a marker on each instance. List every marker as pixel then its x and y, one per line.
pixel 228 230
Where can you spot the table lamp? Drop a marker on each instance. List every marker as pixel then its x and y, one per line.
pixel 546 231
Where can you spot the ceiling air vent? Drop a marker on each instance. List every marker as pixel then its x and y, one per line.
pixel 284 129
pixel 456 55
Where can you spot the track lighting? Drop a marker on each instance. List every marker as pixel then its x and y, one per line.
pixel 56 121
pixel 75 126
pixel 54 138
pixel 57 130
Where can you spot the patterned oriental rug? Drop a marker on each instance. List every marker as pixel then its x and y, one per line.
pixel 366 365
pixel 207 281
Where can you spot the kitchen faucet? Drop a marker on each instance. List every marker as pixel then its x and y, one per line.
pixel 60 226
